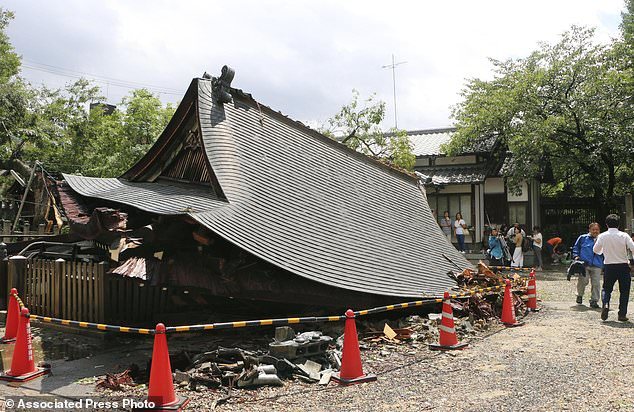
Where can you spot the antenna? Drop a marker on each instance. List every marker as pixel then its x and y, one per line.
pixel 393 67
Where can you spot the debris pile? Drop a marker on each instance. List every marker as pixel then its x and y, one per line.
pixel 309 356
pixel 313 357
pixel 484 276
pixel 117 381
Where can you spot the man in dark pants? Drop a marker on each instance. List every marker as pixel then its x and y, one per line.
pixel 614 245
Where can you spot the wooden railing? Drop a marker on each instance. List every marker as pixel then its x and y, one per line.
pixel 67 290
pixel 84 291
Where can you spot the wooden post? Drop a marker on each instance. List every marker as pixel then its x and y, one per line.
pixel 41 228
pixel 26 193
pixel 4 278
pixel 17 272
pixel 26 230
pixel 56 287
pixel 6 230
pixel 100 282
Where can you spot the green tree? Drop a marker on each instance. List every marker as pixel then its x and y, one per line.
pixel 17 99
pixel 57 126
pixel 123 137
pixel 9 59
pixel 357 125
pixel 566 106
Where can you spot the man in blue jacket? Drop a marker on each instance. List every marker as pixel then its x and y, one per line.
pixel 495 248
pixel 582 250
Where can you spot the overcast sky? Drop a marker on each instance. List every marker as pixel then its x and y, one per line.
pixel 302 58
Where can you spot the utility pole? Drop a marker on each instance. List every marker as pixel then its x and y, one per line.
pixel 393 67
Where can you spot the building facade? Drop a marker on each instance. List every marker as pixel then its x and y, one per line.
pixel 472 184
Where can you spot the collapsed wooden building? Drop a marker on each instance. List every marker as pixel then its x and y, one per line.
pixel 236 203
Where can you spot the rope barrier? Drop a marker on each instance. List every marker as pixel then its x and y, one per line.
pixel 255 323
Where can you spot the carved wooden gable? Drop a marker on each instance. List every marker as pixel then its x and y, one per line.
pixel 190 164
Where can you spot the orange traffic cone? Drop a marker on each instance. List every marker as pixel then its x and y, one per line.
pixel 532 293
pixel 447 330
pixel 13 318
pixel 161 387
pixel 508 308
pixel 22 364
pixel 351 369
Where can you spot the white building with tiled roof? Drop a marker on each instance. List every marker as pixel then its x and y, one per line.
pixel 471 183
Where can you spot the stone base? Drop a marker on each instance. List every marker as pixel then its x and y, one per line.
pixel 26 377
pixel 181 402
pixel 360 379
pixel 457 346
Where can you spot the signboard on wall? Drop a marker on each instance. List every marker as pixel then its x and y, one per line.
pixel 521 196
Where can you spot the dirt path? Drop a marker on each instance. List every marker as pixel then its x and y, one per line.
pixel 564 358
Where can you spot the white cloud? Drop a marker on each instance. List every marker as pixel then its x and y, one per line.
pixel 300 57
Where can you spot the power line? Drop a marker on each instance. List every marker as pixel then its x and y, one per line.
pixel 100 76
pixel 127 84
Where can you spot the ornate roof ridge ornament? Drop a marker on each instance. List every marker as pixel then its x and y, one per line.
pixel 221 86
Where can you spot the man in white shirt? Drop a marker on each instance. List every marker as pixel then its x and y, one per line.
pixel 510 235
pixel 614 245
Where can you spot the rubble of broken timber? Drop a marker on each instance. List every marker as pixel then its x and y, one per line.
pixel 214 377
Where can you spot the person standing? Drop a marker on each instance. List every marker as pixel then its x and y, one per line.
pixel 459 228
pixel 495 248
pixel 614 245
pixel 518 254
pixel 511 232
pixel 538 243
pixel 593 263
pixel 445 225
pixel 510 235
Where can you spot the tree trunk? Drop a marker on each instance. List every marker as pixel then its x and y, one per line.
pixel 600 206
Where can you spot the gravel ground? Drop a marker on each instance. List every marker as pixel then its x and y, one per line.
pixel 563 358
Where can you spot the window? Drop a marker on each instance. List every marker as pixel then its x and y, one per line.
pixel 517 213
pixel 453 203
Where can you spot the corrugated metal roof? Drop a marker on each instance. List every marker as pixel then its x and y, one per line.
pixel 160 198
pixel 315 208
pixel 462 174
pixel 311 206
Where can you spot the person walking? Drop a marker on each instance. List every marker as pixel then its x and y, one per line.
pixel 538 243
pixel 495 248
pixel 459 228
pixel 518 254
pixel 614 245
pixel 445 225
pixel 593 263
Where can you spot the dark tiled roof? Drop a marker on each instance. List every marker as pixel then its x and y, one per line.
pixel 311 206
pixel 463 174
pixel 428 142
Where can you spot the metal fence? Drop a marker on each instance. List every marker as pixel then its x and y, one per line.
pixel 568 217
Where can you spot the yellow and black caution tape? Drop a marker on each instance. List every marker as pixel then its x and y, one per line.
pixel 260 322
pixel 511 268
pixel 254 323
pixel 90 325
